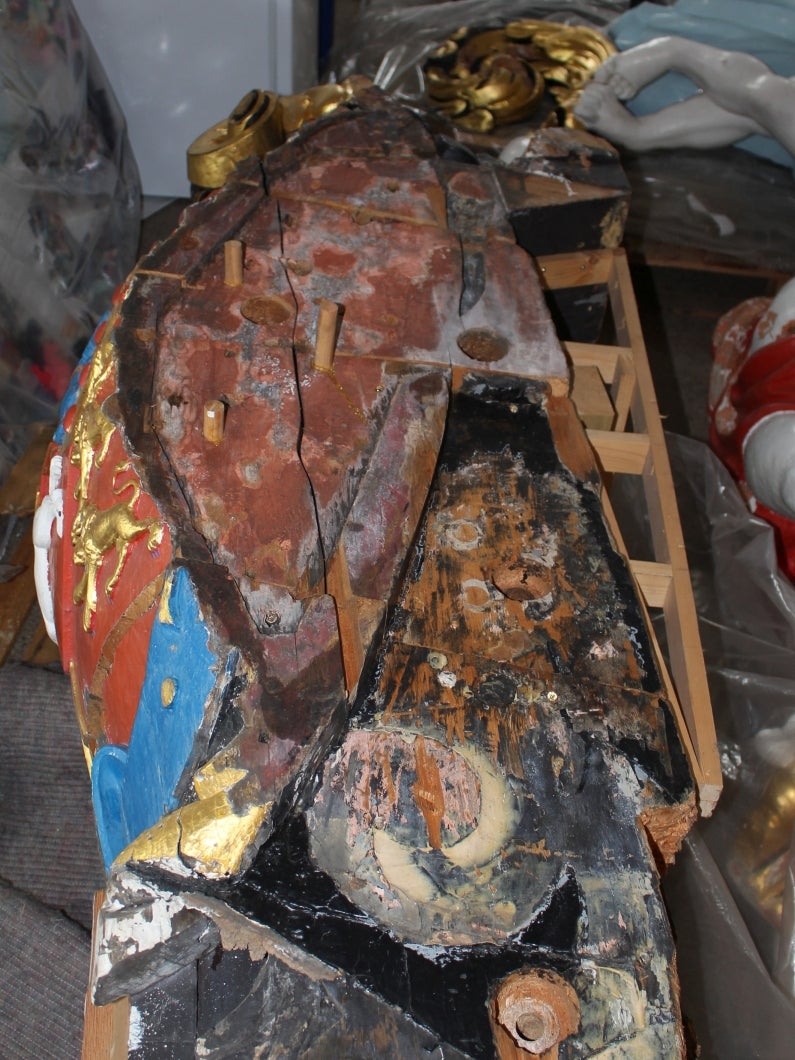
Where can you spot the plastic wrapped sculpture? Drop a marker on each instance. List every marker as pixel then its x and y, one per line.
pixel 752 409
pixel 365 686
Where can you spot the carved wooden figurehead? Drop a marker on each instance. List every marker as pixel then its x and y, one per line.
pixel 361 672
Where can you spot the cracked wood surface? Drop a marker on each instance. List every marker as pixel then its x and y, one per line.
pixel 432 744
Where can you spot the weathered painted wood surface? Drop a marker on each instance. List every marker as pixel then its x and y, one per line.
pixel 357 662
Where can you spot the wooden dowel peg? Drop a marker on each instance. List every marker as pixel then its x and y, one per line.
pixel 326 334
pixel 233 263
pixel 214 416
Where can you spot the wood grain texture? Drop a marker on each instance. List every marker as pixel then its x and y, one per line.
pixel 105 1027
pixel 687 664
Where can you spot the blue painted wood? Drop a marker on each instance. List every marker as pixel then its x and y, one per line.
pixel 107 777
pixel 133 789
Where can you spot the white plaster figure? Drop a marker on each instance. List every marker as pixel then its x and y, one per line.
pixel 769 447
pixel 49 511
pixel 769 461
pixel 777 321
pixel 739 96
pixel 752 409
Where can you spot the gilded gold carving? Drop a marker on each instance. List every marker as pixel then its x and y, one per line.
pixel 211 834
pixel 215 838
pixel 762 849
pixel 92 430
pixel 315 102
pixel 164 609
pixel 212 778
pixel 253 128
pixel 97 531
pixel 168 690
pixel 482 79
pixel 260 122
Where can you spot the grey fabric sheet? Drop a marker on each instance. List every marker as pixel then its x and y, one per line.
pixel 49 867
pixel 45 971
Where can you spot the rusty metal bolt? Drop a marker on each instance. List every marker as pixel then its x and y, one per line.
pixel 538 1009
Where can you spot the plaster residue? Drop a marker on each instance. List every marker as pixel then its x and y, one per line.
pixel 135 1032
pixel 723 222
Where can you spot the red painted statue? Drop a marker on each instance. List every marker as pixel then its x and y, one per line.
pixel 752 409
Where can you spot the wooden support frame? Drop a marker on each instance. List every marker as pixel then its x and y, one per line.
pixel 636 446
pixel 106 1028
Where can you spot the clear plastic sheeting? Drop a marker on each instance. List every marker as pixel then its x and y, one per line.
pixel 731 1005
pixel 730 892
pixel 69 208
pixel 390 42
pixel 676 199
pixel 675 196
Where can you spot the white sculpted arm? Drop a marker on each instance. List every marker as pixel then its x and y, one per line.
pixel 739 96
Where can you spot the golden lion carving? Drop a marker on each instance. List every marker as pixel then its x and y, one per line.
pixel 96 531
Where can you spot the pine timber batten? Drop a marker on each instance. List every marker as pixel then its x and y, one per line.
pixel 644 567
pixel 605 358
pixel 623 388
pixel 578 269
pixel 619 452
pixel 592 398
pixel 638 448
pixel 654 580
pixel 106 1028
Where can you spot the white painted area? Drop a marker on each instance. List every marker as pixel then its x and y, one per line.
pixel 177 67
pixel 135 918
pixel 769 462
pixel 49 512
pixel 497 820
pixel 723 222
pixel 777 319
pixel 135 1034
